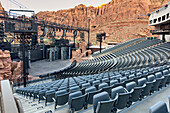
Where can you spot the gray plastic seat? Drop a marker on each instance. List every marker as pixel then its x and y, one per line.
pixel 155 83
pixel 41 94
pixel 159 107
pixel 77 101
pixel 134 90
pixel 105 80
pixel 105 106
pixel 49 95
pixel 113 77
pixel 131 76
pixel 107 89
pixel 86 85
pixel 96 83
pixel 103 96
pixel 138 74
pixel 130 86
pixel 121 97
pixel 166 75
pixel 61 97
pixel 146 87
pixel 163 79
pixel 112 82
pixel 151 78
pixel 74 89
pixel 91 91
pixel 123 79
pixel 142 82
pixel 102 85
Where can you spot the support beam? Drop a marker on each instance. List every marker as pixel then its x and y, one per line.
pixel 88 33
pixel 163 37
pixel 23 58
pixel 101 45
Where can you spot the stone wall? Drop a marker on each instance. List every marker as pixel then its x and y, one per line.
pixel 82 53
pixel 5 65
pixel 9 70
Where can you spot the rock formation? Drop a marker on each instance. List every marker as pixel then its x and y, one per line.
pixel 82 53
pixel 120 19
pixel 5 65
pixel 9 70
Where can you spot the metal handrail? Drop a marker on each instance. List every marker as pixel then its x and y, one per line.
pixel 8 104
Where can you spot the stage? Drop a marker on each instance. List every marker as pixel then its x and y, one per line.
pixel 44 67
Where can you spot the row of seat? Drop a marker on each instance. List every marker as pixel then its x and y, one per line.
pixel 128 58
pixel 119 46
pixel 62 91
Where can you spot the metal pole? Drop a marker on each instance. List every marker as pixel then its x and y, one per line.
pixel 100 44
pixel 23 58
pixel 74 41
pixel 163 37
pixel 88 32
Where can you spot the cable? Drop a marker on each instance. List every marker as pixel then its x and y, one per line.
pixel 18 4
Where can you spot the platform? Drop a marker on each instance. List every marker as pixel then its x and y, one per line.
pixel 44 67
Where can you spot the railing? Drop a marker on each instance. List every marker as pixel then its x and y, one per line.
pixel 8 104
pixel 160 31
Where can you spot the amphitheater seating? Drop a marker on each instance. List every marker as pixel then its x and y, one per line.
pixel 111 82
pixel 143 54
pixel 123 94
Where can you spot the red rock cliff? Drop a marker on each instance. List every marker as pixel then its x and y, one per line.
pixel 118 18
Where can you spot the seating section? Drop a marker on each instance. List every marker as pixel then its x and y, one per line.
pixel 119 46
pixel 123 88
pixel 109 83
pixel 143 54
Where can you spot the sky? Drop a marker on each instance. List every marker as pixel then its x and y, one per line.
pixel 49 5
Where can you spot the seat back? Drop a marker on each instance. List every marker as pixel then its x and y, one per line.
pixel 142 81
pixel 97 82
pixel 135 95
pixel 61 97
pixel 102 85
pixel 86 85
pixel 165 72
pixel 112 82
pixel 130 86
pixel 105 80
pixel 90 89
pixel 147 89
pixel 107 89
pixel 123 79
pixel 159 107
pixel 41 94
pixel 151 78
pixel 49 95
pixel 104 106
pixel 122 100
pixel 158 75
pixel 103 96
pixel 131 76
pixel 77 103
pixel 138 74
pixel 90 96
pixel 72 95
pixel 74 89
pixel 116 90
